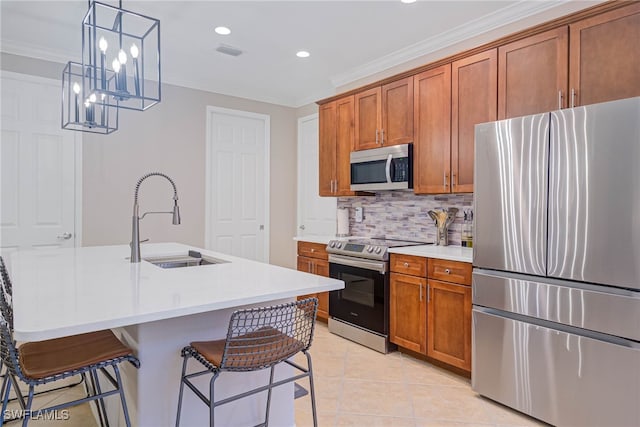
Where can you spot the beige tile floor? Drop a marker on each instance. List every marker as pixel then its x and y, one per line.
pixel 356 386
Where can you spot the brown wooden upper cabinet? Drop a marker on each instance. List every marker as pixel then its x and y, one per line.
pixel 474 88
pixel 605 56
pixel 533 74
pixel 432 131
pixel 384 115
pixel 336 144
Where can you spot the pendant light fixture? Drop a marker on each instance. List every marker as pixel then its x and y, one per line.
pixel 82 111
pixel 120 69
pixel 121 51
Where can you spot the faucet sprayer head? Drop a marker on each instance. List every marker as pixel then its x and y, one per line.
pixel 176 213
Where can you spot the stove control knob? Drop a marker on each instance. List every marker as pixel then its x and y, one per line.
pixel 339 245
pixel 332 244
pixel 378 250
pixel 370 249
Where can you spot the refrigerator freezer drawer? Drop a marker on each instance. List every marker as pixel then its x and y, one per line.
pixel 558 377
pixel 583 306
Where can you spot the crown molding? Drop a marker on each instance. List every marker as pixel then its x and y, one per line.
pixel 30 50
pixel 478 26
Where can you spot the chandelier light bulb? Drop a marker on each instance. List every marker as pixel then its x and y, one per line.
pixel 116 65
pixel 92 97
pixel 86 103
pixel 122 57
pixel 102 44
pixel 103 96
pixel 76 88
pixel 134 51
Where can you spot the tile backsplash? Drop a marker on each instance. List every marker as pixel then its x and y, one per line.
pixel 403 215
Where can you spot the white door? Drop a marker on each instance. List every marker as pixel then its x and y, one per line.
pixel 237 183
pixel 37 167
pixel 316 215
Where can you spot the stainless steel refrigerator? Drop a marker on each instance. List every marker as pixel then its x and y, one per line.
pixel 556 279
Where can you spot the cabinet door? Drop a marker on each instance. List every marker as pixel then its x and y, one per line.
pixel 533 73
pixel 432 118
pixel 397 112
pixel 408 312
pixel 305 264
pixel 320 267
pixel 449 323
pixel 368 118
pixel 323 305
pixel 605 56
pixel 327 149
pixel 344 145
pixel 474 91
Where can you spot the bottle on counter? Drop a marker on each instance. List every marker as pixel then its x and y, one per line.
pixel 467 229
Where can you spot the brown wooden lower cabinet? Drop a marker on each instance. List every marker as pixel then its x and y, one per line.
pixel 449 323
pixel 321 268
pixel 408 312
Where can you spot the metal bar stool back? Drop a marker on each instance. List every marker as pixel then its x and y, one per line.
pixel 257 338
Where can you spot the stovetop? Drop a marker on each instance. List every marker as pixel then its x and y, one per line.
pixel 372 248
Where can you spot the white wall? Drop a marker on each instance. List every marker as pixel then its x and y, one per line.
pixel 170 137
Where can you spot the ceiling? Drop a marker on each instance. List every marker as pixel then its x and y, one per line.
pixel 347 40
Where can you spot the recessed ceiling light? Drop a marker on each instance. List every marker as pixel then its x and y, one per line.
pixel 303 54
pixel 408 1
pixel 223 31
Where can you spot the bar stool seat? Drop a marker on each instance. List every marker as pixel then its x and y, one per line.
pixel 52 357
pixel 257 338
pixel 260 347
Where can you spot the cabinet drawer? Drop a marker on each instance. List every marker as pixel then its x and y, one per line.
pixel 313 250
pixel 409 264
pixel 450 271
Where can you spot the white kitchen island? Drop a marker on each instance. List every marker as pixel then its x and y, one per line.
pixel 156 311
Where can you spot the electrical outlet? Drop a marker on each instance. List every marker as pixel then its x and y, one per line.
pixel 359 214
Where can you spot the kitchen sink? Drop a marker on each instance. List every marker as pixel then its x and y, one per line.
pixel 192 259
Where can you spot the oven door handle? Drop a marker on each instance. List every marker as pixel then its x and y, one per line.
pixel 379 266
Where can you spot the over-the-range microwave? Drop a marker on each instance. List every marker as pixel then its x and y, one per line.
pixel 385 168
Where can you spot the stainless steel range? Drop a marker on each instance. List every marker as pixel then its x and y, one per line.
pixel 360 311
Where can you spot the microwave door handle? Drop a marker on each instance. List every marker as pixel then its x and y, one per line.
pixel 388 168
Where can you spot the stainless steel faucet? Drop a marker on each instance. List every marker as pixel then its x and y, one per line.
pixel 135 228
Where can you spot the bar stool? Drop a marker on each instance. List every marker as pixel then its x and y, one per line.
pixel 257 338
pixel 37 363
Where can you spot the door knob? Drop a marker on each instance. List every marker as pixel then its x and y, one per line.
pixel 302 227
pixel 65 236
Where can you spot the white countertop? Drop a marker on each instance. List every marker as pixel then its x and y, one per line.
pixel 62 292
pixel 451 253
pixel 320 239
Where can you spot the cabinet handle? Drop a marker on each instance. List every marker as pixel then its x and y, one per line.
pixel 428 293
pixel 406 264
pixel 377 137
pixel 453 180
pixel 559 100
pixel 573 97
pixel 446 270
pixel 420 291
pixel 382 133
pixel 445 179
pixel 313 250
pixel 310 267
